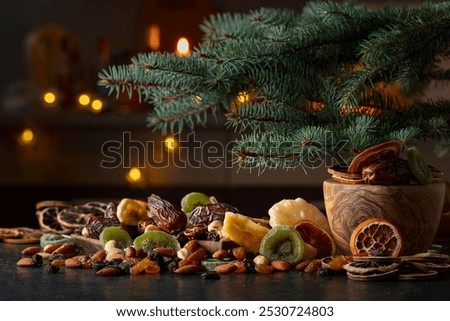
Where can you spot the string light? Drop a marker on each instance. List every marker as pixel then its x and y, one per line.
pixel 170 143
pixel 97 105
pixel 84 100
pixel 134 175
pixel 243 97
pixel 49 98
pixel 183 47
pixel 27 137
pixel 154 37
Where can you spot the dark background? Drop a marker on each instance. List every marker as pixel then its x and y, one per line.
pixel 64 161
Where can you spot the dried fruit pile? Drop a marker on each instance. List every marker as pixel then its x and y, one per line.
pixel 210 238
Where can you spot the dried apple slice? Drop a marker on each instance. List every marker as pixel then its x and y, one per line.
pixel 387 149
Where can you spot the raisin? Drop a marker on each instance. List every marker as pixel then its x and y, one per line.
pixel 325 271
pixel 37 260
pixel 51 269
pixel 210 275
pixel 97 266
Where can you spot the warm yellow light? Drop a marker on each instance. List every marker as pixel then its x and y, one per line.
pixel 171 143
pixel 154 37
pixel 26 137
pixel 97 105
pixel 84 99
pixel 243 97
pixel 49 97
pixel 134 175
pixel 183 47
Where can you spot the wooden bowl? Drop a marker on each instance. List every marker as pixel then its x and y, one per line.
pixel 415 209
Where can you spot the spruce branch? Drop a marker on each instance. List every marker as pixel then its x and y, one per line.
pixel 333 75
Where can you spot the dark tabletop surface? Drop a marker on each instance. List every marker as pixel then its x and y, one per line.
pixel 31 284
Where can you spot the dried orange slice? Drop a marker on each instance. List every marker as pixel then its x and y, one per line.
pixel 317 237
pixel 387 149
pixel 376 237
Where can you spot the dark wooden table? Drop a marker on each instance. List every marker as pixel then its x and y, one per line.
pixel 31 284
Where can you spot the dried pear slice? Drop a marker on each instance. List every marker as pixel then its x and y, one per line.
pixel 244 231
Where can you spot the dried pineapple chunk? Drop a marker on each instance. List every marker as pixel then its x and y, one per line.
pixel 290 211
pixel 243 231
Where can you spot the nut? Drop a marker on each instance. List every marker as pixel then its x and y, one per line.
pixel 110 246
pixel 302 265
pixel 226 268
pixel 239 253
pixel 25 262
pixel 220 254
pixel 191 245
pixel 183 253
pixel 109 271
pixel 197 255
pixel 165 251
pixel 261 259
pixel 73 263
pixel 280 265
pixel 98 256
pixel 264 268
pixel 151 227
pixel 187 262
pixel 45 256
pixel 67 250
pixel 114 256
pixel 31 250
pixel 130 252
pixel 50 248
pixel 187 269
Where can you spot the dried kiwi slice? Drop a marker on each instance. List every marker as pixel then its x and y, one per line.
pixel 121 236
pixel 151 239
pixel 191 200
pixel 283 243
pixel 418 166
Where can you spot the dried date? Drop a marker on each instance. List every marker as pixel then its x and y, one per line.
pixel 165 215
pixel 202 215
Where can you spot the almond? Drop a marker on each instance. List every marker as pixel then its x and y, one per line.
pixel 130 252
pixel 25 262
pixel 239 253
pixel 50 248
pixel 109 271
pixel 165 251
pixel 226 268
pixel 264 268
pixel 31 250
pixel 98 256
pixel 191 245
pixel 67 250
pixel 197 255
pixel 187 262
pixel 280 265
pixel 220 254
pixel 73 263
pixel 187 269
pixel 302 265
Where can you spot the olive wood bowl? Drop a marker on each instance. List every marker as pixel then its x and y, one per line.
pixel 415 209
